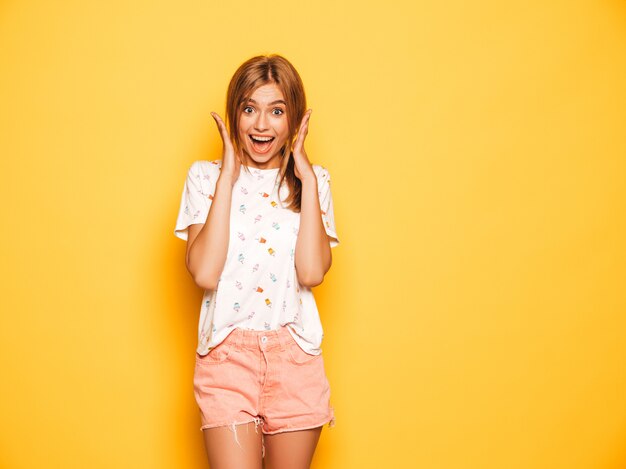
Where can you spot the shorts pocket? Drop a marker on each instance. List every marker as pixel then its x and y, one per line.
pixel 299 356
pixel 218 354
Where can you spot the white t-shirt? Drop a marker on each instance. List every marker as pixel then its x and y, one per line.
pixel 258 288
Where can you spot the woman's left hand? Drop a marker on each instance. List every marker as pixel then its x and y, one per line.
pixel 302 166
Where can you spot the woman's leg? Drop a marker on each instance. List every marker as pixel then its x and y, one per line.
pixel 292 449
pixel 237 447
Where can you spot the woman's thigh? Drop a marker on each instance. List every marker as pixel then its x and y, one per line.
pixel 238 447
pixel 292 449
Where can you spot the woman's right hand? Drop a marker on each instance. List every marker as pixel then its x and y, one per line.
pixel 231 164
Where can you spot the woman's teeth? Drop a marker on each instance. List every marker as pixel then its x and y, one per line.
pixel 261 144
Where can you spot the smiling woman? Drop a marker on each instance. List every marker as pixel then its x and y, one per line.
pixel 266 97
pixel 265 124
pixel 257 240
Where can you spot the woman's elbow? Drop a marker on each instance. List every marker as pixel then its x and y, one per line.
pixel 206 285
pixel 203 280
pixel 310 280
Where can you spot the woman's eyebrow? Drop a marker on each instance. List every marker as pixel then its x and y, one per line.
pixel 273 102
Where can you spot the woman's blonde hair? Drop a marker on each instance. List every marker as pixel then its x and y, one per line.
pixel 258 71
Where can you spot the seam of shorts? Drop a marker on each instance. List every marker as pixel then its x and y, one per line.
pixel 210 425
pixel 291 429
pixel 293 361
pixel 203 362
pixel 209 364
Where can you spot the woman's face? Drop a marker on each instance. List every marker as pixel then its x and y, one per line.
pixel 264 117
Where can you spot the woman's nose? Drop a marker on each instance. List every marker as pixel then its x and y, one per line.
pixel 261 122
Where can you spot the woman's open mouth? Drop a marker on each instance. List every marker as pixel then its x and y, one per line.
pixel 261 144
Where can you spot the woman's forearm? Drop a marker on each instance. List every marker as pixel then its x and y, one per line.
pixel 312 256
pixel 207 254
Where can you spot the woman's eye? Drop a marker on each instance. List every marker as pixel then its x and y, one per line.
pixel 246 108
pixel 280 111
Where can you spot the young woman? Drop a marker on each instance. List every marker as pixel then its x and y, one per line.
pixel 259 227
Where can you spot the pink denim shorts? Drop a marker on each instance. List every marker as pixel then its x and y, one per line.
pixel 263 377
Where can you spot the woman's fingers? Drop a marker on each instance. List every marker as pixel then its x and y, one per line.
pixel 304 130
pixel 218 121
pixel 222 129
pixel 230 163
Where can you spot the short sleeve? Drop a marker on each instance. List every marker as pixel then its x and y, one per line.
pixel 196 198
pixel 326 205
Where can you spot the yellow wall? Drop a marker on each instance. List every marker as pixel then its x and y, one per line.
pixel 475 311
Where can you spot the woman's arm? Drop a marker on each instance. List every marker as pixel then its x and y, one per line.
pixel 207 244
pixel 312 254
pixel 312 257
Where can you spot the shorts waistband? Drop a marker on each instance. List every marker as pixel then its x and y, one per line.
pixel 266 340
